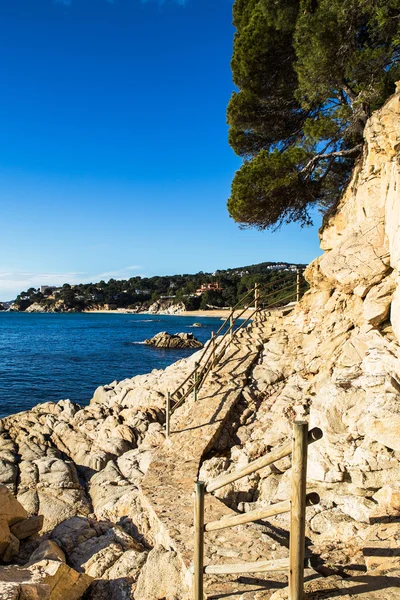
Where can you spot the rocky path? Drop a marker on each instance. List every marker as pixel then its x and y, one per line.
pixel 167 489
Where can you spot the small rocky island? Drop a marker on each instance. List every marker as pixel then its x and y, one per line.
pixel 177 340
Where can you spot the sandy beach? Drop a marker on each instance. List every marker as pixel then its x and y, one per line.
pixel 221 313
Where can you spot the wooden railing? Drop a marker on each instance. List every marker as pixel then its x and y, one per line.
pixel 215 350
pixel 299 499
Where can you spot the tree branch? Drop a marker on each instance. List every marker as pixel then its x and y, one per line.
pixel 350 93
pixel 318 157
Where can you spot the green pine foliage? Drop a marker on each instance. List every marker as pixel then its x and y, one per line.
pixel 139 293
pixel 309 73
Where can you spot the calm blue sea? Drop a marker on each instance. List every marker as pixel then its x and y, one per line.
pixel 56 356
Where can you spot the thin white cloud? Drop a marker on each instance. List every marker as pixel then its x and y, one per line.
pixel 14 282
pixel 124 273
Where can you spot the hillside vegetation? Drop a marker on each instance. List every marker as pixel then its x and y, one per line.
pixel 139 293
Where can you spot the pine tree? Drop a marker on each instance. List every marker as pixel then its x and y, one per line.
pixel 309 73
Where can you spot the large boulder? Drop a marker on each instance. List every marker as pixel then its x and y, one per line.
pixel 14 524
pixel 161 577
pixel 45 577
pixel 11 510
pixel 179 340
pixel 48 579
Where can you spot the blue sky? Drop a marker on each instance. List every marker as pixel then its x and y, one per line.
pixel 114 158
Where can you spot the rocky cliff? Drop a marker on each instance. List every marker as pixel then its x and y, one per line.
pixel 335 361
pixel 95 474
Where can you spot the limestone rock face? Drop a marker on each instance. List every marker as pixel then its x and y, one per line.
pixel 335 361
pixel 14 524
pixel 47 550
pixel 166 307
pixel 178 340
pixel 161 577
pixel 46 576
pixel 36 308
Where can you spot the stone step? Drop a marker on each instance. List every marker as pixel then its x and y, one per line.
pixel 167 489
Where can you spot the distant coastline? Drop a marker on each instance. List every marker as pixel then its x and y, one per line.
pixel 191 294
pixel 213 313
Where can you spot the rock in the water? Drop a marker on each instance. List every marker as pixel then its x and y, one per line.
pixel 179 340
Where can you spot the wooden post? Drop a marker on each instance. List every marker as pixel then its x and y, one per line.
pixel 213 349
pixel 298 510
pixel 167 414
pixel 196 366
pixel 256 296
pixel 198 540
pixel 298 285
pixel 231 325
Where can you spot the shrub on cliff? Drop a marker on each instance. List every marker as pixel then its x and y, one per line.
pixel 309 75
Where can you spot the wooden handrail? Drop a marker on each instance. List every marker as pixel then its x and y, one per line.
pixel 207 367
pixel 261 308
pixel 237 305
pixel 218 332
pixel 281 452
pixel 299 499
pixel 261 566
pixel 167 414
pixel 256 515
pixel 213 357
pixel 274 292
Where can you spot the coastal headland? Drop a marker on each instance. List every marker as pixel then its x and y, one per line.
pixel 111 497
pixel 175 294
pixel 222 313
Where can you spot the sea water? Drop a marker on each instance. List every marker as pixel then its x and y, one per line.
pixel 55 356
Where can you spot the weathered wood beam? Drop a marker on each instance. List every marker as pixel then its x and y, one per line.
pixel 284 450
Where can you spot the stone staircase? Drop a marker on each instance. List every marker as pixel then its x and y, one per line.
pixel 167 489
